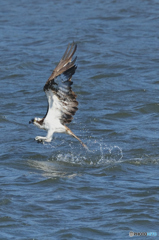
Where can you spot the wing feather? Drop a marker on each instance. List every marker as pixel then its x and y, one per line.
pixel 65 63
pixel 61 99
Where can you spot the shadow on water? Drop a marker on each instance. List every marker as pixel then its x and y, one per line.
pixel 99 153
pixel 64 160
pixel 63 157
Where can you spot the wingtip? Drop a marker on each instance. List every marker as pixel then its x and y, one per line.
pixel 71 49
pixel 75 45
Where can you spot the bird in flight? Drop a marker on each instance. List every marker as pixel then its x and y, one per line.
pixel 62 103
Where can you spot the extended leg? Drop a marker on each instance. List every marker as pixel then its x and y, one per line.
pixel 68 131
pixel 48 137
pixel 40 139
pixel 43 139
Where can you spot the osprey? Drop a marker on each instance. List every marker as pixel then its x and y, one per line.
pixel 62 103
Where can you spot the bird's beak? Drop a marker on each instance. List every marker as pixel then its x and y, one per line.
pixel 31 121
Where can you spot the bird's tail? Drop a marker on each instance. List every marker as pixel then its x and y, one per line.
pixel 68 131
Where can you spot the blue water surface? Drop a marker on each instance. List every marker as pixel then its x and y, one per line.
pixel 59 190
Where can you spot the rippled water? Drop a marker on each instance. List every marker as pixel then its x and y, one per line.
pixel 60 190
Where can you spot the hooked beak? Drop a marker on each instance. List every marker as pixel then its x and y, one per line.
pixel 31 121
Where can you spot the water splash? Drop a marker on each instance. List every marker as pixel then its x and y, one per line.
pixel 98 154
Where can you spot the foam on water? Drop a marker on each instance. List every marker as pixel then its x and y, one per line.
pixel 97 155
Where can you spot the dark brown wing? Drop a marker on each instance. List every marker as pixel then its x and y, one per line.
pixel 60 85
pixel 65 63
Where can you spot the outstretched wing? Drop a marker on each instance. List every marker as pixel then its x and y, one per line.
pixel 61 98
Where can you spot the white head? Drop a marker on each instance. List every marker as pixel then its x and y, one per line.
pixel 37 122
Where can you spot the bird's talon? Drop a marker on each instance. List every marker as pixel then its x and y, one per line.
pixel 39 140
